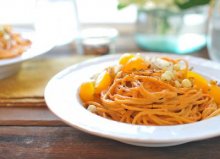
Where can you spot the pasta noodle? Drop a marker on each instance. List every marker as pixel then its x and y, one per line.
pixel 11 44
pixel 161 92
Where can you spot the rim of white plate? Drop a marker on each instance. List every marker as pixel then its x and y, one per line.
pixel 77 116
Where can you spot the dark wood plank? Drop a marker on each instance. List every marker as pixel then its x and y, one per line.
pixel 67 143
pixel 28 116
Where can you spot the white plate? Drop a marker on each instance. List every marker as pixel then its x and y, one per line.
pixel 40 45
pixel 61 96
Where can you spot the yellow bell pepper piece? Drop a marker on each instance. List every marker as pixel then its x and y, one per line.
pixel 125 58
pixel 135 63
pixel 102 82
pixel 199 80
pixel 86 91
pixel 215 93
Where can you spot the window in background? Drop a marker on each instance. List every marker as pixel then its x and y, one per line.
pixel 17 12
pixel 104 11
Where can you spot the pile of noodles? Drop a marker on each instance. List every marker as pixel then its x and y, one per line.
pixel 141 97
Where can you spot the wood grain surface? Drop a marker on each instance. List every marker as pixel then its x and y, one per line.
pixel 12 116
pixel 69 143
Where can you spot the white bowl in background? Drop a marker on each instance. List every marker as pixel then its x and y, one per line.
pixel 40 45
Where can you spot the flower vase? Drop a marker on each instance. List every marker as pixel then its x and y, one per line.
pixel 165 31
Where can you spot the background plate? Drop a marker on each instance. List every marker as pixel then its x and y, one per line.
pixel 40 44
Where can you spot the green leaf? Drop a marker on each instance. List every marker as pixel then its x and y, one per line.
pixel 121 6
pixel 185 4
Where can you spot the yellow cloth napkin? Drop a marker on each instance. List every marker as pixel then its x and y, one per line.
pixel 26 88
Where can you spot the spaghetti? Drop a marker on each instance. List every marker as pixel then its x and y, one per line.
pixel 153 91
pixel 11 44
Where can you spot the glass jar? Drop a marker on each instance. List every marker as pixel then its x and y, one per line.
pixel 213 41
pixel 166 31
pixel 57 19
pixel 98 41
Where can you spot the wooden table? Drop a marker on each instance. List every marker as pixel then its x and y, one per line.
pixel 29 133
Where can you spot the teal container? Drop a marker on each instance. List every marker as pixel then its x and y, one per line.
pixel 165 31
